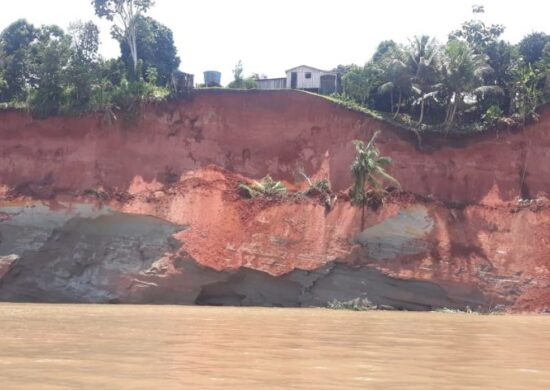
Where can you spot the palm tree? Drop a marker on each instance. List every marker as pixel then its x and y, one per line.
pixel 400 80
pixel 463 75
pixel 369 173
pixel 423 61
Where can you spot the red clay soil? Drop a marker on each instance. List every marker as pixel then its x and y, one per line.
pixel 501 249
pixel 182 162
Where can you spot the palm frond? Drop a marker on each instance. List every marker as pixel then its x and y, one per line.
pixel 386 88
pixel 490 90
pixel 386 176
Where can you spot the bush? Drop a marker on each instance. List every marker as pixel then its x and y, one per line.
pixel 492 116
pixel 266 187
pixel 318 187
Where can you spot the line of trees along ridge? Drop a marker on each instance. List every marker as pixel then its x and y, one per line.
pixel 473 81
pixel 51 71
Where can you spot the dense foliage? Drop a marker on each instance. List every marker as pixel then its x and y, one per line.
pixel 474 80
pixel 155 48
pixel 50 71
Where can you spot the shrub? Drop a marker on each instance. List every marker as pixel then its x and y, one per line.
pixel 318 187
pixel 492 116
pixel 265 187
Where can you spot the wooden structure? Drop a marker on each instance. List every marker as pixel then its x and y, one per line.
pixel 309 78
pixel 276 83
pixel 181 83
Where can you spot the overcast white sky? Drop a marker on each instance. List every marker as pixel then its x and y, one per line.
pixel 270 36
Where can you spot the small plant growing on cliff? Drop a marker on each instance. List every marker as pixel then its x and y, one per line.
pixel 265 187
pixel 316 187
pixel 369 175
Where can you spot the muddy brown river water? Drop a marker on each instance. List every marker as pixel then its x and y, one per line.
pixel 172 347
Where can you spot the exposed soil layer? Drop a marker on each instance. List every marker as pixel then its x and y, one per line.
pixel 150 211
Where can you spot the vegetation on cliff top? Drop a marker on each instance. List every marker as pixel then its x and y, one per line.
pixel 473 81
pixel 51 71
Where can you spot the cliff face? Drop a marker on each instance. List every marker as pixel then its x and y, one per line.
pixel 149 212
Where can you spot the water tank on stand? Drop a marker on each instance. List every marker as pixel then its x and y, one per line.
pixel 212 78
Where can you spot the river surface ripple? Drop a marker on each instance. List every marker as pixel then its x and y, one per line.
pixel 172 347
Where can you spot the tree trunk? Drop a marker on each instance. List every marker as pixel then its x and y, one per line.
pixel 391 101
pixel 447 113
pixel 363 215
pixel 398 105
pixel 131 41
pixel 133 44
pixel 421 119
pixel 134 52
pixel 452 115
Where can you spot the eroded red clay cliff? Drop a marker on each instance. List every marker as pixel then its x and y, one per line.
pixel 460 231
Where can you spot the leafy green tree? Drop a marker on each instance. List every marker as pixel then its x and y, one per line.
pixel 478 35
pixel 112 71
pixel 50 56
pixel 343 69
pixel 397 77
pixel 423 64
pixel 82 74
pixel 238 72
pixel 3 83
pixel 369 172
pixel 15 41
pixel 545 70
pixel 463 76
pixel 155 47
pixel 123 13
pixel 546 54
pixel 383 48
pixel 502 57
pixel 527 95
pixel 241 82
pixel 360 82
pixel 531 47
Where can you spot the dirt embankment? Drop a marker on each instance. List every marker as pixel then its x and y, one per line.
pixel 460 239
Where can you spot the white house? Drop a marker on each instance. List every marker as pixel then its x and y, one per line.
pixel 304 77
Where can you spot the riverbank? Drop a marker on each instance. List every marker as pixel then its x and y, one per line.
pixel 151 213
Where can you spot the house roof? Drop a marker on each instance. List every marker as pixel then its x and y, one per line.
pixel 307 66
pixel 272 78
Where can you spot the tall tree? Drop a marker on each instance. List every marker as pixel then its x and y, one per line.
pixel 50 56
pixel 526 92
pixel 398 78
pixel 476 32
pixel 531 47
pixel 384 48
pixel 423 61
pixel 83 70
pixel 502 57
pixel 155 47
pixel 369 172
pixel 463 76
pixel 123 14
pixel 15 41
pixel 241 82
pixel 359 82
